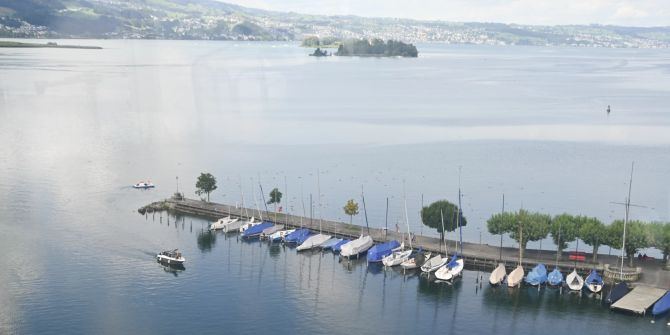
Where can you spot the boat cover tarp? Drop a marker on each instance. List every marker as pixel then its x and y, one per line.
pixel 594 278
pixel 538 275
pixel 298 236
pixel 330 243
pixel 453 262
pixel 338 246
pixel 555 277
pixel 379 251
pixel 257 229
pixel 617 292
pixel 662 305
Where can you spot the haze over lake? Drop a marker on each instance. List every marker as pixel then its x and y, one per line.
pixel 78 127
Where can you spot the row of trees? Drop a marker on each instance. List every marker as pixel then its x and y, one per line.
pixel 522 226
pixel 565 228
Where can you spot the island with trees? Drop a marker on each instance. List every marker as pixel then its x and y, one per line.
pixel 376 48
pixel 14 44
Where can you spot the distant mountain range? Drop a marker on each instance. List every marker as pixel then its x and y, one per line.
pixel 209 19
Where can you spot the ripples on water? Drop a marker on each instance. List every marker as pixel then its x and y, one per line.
pixel 78 126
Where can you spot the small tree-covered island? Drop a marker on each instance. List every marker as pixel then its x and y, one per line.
pixel 364 47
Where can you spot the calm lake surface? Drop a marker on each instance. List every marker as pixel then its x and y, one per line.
pixel 79 126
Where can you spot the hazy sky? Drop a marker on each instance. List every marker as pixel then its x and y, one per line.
pixel 539 12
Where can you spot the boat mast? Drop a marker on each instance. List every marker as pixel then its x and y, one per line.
pixel 625 221
pixel 444 233
pixel 286 217
pixel 246 211
pixel 501 235
pixel 258 208
pixel 404 195
pixel 458 218
pixel 365 211
pixel 318 189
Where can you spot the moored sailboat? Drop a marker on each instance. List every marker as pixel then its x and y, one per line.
pixel 575 281
pixel 555 278
pixel 537 276
pixel 379 251
pixel 594 282
pixel 498 275
pixel 514 278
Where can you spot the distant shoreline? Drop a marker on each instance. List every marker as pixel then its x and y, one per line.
pixel 11 44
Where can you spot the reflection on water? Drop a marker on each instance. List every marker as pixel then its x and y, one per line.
pixel 527 122
pixel 206 240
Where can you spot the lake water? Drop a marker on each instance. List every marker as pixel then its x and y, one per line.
pixel 79 126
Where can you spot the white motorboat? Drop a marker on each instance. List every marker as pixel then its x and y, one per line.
pixel 144 185
pixel 313 242
pixel 450 270
pixel 434 263
pixel 221 223
pixel 357 246
pixel 414 262
pixel 171 257
pixel 516 276
pixel 575 281
pixel 248 224
pixel 498 274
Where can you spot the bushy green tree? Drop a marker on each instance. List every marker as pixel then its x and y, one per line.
pixel 205 184
pixel 593 232
pixel 351 209
pixel 522 226
pixel 564 228
pixel 431 216
pixel 659 233
pixel 637 237
pixel 275 197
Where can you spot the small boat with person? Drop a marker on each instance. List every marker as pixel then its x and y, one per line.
pixel 171 257
pixel 144 185
pixel 594 282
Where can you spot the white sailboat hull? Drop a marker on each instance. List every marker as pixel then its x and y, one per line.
pixel 222 223
pixel 575 281
pixel 396 258
pixel 498 275
pixel 357 246
pixel 516 276
pixel 445 273
pixel 434 263
pixel 248 225
pixel 313 242
pixel 280 234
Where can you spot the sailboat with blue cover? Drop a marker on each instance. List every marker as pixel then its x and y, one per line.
pixel 594 282
pixel 298 236
pixel 338 246
pixel 662 305
pixel 555 278
pixel 379 251
pixel 454 267
pixel 537 276
pixel 257 230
